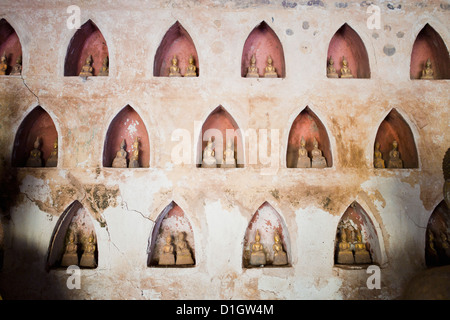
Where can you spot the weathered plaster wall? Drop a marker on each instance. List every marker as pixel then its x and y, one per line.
pixel 125 204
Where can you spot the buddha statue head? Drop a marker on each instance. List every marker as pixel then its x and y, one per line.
pixel 122 144
pixel 174 61
pixel 3 59
pixel 257 237
pixel 37 143
pixel 253 60
pixel 395 144
pixel 136 143
pixel 89 60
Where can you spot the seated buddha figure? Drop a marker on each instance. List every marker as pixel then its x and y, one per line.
pixel 444 248
pixel 120 161
pixel 52 161
pixel 318 161
pixel 394 157
pixel 345 70
pixel 252 71
pixel 209 160
pixel 331 71
pixel 35 160
pixel 257 256
pixel 88 257
pixel 174 70
pixel 104 71
pixel 166 256
pixel 362 255
pixel 303 160
pixel 182 251
pixel 228 156
pixel 270 71
pixel 191 69
pixel 17 68
pixel 70 256
pixel 3 64
pixel 279 256
pixel 87 70
pixel 134 160
pixel 378 161
pixel 427 72
pixel 345 253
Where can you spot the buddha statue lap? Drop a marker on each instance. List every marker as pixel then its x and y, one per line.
pixel 303 161
pixel 182 250
pixel 279 256
pixel 331 71
pixel 87 70
pixel 134 160
pixel 174 70
pixel 17 68
pixel 88 257
pixel 345 253
pixel 270 71
pixel 70 256
pixel 228 157
pixel 362 255
pixel 252 71
pixel 209 160
pixel 52 161
pixel 3 65
pixel 378 161
pixel 427 72
pixel 394 157
pixel 257 256
pixel 318 161
pixel 35 158
pixel 191 70
pixel 345 70
pixel 104 71
pixel 167 257
pixel 120 161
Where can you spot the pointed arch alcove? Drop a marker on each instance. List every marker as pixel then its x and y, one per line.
pixel 267 222
pixel 429 45
pixel 359 252
pixel 221 127
pixel 172 221
pixel 263 42
pixel 307 125
pixel 394 127
pixel 347 43
pixel 37 124
pixel 176 42
pixel 9 45
pixel 88 40
pixel 74 221
pixel 127 125
pixel 437 242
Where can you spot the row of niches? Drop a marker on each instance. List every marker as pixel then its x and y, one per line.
pixel 220 145
pixel 88 55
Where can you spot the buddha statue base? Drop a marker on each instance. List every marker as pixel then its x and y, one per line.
pixel 319 163
pixel 88 260
pixel 229 164
pixel 271 75
pixel 252 75
pixel 209 164
pixel 379 164
pixel 119 163
pixel 346 76
pixel 345 257
pixel 34 162
pixel 427 77
pixel 280 259
pixel 134 164
pixel 304 162
pixel 166 259
pixel 395 164
pixel 175 75
pixel 69 259
pixel 190 75
pixel 332 75
pixel 257 259
pixel 51 162
pixel 362 257
pixel 184 259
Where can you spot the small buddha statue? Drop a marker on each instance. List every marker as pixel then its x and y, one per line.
pixel 378 161
pixel 394 157
pixel 345 70
pixel 182 250
pixel 427 72
pixel 174 70
pixel 120 161
pixel 35 160
pixel 257 256
pixel 318 161
pixel 191 69
pixel 167 256
pixel 17 68
pixel 3 64
pixel 362 255
pixel 303 160
pixel 87 70
pixel 279 256
pixel 228 156
pixel 331 71
pixel 270 71
pixel 252 71
pixel 209 160
pixel 104 71
pixel 70 256
pixel 52 161
pixel 345 254
pixel 134 160
pixel 444 248
pixel 88 257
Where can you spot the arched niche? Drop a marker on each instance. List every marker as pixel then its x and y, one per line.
pixel 307 125
pixel 394 127
pixel 127 125
pixel 355 220
pixel 176 42
pixel 429 45
pixel 221 127
pixel 267 222
pixel 74 220
pixel 263 42
pixel 172 221
pixel 437 242
pixel 88 40
pixel 347 43
pixel 37 124
pixel 9 45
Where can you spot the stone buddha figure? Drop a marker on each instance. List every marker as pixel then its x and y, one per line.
pixel 345 254
pixel 209 160
pixel 257 256
pixel 166 256
pixel 17 68
pixel 87 70
pixel 345 70
pixel 52 161
pixel 191 69
pixel 270 71
pixel 35 158
pixel 182 250
pixel 303 160
pixel 134 160
pixel 228 156
pixel 378 161
pixel 88 257
pixel 331 71
pixel 70 256
pixel 427 72
pixel 120 161
pixel 174 70
pixel 104 71
pixel 279 256
pixel 318 161
pixel 362 255
pixel 394 157
pixel 252 71
pixel 3 64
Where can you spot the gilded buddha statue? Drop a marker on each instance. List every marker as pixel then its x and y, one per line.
pixel 427 72
pixel 362 255
pixel 252 71
pixel 88 257
pixel 394 157
pixel 104 71
pixel 134 159
pixel 35 158
pixel 209 160
pixel 3 64
pixel 378 161
pixel 331 71
pixel 279 256
pixel 52 161
pixel 257 256
pixel 191 69
pixel 318 161
pixel 174 70
pixel 345 70
pixel 303 161
pixel 87 70
pixel 345 253
pixel 166 256
pixel 182 250
pixel 270 71
pixel 228 156
pixel 120 161
pixel 70 256
pixel 17 68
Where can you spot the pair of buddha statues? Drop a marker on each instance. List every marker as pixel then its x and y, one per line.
pixel 350 250
pixel 394 161
pixel 174 70
pixel 16 70
pixel 345 70
pixel 269 70
pixel 88 71
pixel 209 160
pixel 317 160
pixel 70 256
pixel 35 158
pixel 120 161
pixel 437 247
pixel 258 255
pixel 178 254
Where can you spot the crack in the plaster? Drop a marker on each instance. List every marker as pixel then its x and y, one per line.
pixel 26 86
pixel 125 204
